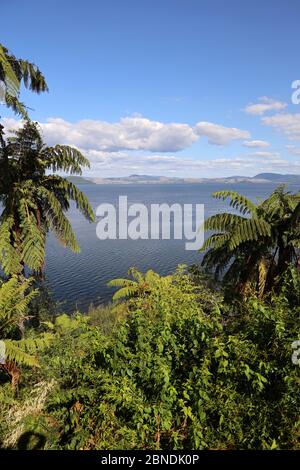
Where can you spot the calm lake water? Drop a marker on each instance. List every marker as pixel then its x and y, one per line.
pixel 78 280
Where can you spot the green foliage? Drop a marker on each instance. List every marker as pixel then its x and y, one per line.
pixel 107 317
pixel 237 201
pixel 34 201
pixel 15 298
pixel 138 285
pixel 183 370
pixel 15 71
pixel 253 249
pixel 13 304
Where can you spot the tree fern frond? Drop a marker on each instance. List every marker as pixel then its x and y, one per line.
pixel 249 230
pixel 237 201
pixel 9 257
pixel 14 301
pixel 65 158
pixel 120 282
pixel 32 245
pixel 223 222
pixel 127 291
pixel 136 274
pixel 217 240
pixel 18 355
pixel 8 75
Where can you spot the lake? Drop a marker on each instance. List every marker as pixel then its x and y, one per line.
pixel 78 280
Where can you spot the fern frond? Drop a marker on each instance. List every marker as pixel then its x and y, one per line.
pixel 223 222
pixel 237 201
pixel 217 240
pixel 65 158
pixel 18 355
pixel 32 245
pixel 124 292
pixel 8 75
pixel 249 230
pixel 9 257
pixel 120 282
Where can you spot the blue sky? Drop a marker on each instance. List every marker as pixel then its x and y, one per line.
pixel 173 87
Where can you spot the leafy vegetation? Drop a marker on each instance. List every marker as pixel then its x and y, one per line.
pixel 14 72
pixel 253 249
pixel 173 363
pixel 181 370
pixel 35 197
pixel 14 307
pixel 139 285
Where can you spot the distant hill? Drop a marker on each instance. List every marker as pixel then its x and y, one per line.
pixel 277 178
pixel 263 178
pixel 80 180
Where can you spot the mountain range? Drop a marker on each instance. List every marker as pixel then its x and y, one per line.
pixel 148 179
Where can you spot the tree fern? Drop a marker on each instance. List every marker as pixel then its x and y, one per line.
pixel 9 257
pixel 18 355
pixel 15 297
pixel 257 245
pixel 249 230
pixel 15 71
pixel 139 285
pixel 34 201
pixel 237 201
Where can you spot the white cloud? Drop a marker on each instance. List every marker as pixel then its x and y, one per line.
pixel 218 134
pixel 133 133
pixel 266 154
pixel 256 143
pixel 130 133
pixel 128 146
pixel 289 124
pixel 196 168
pixel 265 104
pixel 293 150
pixel 248 164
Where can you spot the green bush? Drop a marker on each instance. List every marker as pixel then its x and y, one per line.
pixel 181 371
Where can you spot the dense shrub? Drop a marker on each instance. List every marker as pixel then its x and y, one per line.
pixel 180 370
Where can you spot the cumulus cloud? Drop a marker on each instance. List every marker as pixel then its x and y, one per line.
pixel 265 104
pixel 133 133
pixel 256 143
pixel 138 145
pixel 218 134
pixel 130 133
pixel 289 124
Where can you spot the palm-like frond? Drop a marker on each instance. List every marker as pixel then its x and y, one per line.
pixel 125 292
pixel 15 297
pixel 237 201
pixel 64 190
pixel 139 285
pixel 258 247
pixel 9 257
pixel 7 74
pixel 249 230
pixel 14 301
pixel 217 240
pixel 65 158
pixel 15 71
pixel 35 202
pixel 32 240
pixel 16 353
pixel 222 222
